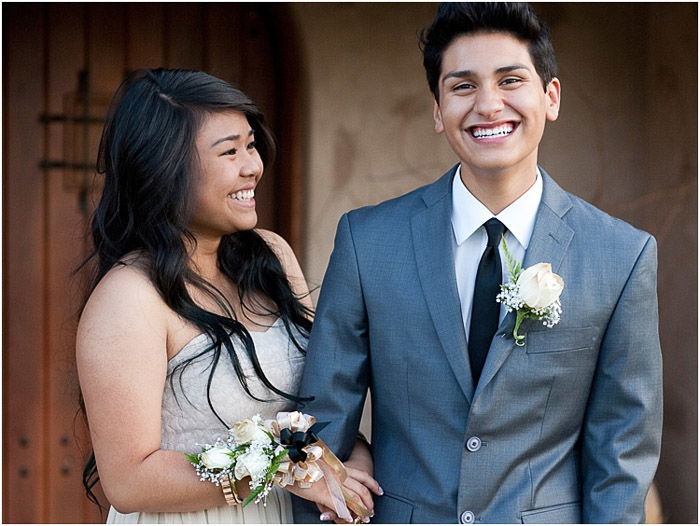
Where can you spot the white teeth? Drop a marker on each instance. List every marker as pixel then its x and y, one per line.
pixel 243 195
pixel 498 131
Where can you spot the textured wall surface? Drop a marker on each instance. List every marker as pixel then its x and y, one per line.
pixel 626 140
pixel 370 113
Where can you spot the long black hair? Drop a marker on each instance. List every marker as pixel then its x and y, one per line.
pixel 148 157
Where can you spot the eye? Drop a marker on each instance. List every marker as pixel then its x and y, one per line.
pixel 463 86
pixel 511 81
pixel 253 145
pixel 232 151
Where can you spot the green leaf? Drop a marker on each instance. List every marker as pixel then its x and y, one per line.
pixel 252 495
pixel 239 450
pixel 514 268
pixel 194 459
pixel 269 474
pixel 280 457
pixel 274 466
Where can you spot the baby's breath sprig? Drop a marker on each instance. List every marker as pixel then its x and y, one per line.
pixel 539 300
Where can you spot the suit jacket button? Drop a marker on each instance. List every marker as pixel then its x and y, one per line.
pixel 473 444
pixel 467 517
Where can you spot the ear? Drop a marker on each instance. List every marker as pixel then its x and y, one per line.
pixel 437 117
pixel 553 97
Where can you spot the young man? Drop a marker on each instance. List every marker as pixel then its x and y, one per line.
pixel 467 425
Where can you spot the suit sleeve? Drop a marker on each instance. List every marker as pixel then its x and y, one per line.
pixel 336 372
pixel 622 431
pixel 337 361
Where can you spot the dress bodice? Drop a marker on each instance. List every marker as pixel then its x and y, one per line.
pixel 187 420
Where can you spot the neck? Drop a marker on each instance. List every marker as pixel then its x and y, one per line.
pixel 496 190
pixel 203 256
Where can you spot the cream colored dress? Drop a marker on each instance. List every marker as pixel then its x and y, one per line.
pixel 189 421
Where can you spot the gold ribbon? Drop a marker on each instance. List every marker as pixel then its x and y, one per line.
pixel 320 463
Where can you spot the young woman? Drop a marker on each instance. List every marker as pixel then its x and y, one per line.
pixel 195 319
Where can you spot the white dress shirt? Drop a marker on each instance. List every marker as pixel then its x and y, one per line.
pixel 470 238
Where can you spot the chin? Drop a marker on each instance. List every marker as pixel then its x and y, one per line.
pixel 248 225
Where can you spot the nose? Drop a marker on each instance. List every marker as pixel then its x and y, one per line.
pixel 251 166
pixel 488 101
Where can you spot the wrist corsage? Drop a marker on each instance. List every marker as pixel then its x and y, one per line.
pixel 531 293
pixel 284 451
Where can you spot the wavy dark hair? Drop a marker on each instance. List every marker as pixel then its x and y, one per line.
pixel 148 157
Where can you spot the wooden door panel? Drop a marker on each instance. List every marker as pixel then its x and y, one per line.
pixel 24 334
pixel 106 46
pixel 225 34
pixel 65 224
pixel 145 24
pixel 185 37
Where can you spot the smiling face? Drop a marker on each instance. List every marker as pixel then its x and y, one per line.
pixel 493 107
pixel 230 168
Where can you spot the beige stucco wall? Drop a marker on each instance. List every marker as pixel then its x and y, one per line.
pixel 626 140
pixel 369 113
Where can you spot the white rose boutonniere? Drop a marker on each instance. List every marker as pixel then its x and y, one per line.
pixel 532 293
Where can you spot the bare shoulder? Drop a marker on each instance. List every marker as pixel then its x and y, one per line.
pixel 280 247
pixel 124 288
pixel 275 241
pixel 289 263
pixel 125 305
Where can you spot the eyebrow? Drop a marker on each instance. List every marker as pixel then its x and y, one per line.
pixel 231 138
pixel 469 73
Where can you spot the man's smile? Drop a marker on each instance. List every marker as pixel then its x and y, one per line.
pixel 492 131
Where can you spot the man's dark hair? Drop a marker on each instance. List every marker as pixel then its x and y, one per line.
pixel 455 19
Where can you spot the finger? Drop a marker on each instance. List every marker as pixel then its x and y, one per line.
pixel 362 490
pixel 366 479
pixel 360 493
pixel 327 514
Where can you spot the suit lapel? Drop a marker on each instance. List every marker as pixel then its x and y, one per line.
pixel 432 240
pixel 550 240
pixel 551 235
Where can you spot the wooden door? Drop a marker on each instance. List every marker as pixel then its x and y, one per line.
pixel 61 63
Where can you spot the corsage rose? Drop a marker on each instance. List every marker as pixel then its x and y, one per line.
pixel 253 464
pixel 247 431
pixel 217 458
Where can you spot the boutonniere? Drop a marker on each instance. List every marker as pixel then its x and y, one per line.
pixel 531 293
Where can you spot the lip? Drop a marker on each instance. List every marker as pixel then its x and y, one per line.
pixel 243 188
pixel 249 203
pixel 491 125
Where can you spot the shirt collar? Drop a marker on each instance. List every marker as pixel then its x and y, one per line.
pixel 468 213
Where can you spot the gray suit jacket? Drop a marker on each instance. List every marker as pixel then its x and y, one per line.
pixel 564 429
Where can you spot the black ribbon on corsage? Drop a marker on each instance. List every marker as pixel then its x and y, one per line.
pixel 296 442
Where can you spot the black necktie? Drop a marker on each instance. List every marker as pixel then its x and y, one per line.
pixel 485 308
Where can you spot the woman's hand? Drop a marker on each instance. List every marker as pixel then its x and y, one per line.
pixel 359 483
pixel 318 493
